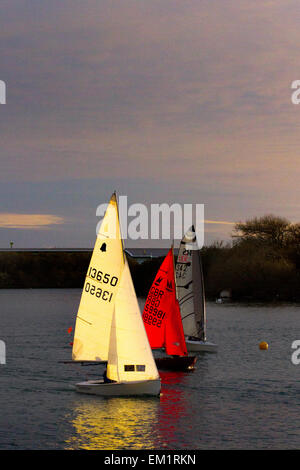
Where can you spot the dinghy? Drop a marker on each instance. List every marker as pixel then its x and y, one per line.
pixel 109 326
pixel 191 294
pixel 162 319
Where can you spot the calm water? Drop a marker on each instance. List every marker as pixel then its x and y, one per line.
pixel 240 397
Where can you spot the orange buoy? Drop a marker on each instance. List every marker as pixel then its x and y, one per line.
pixel 263 345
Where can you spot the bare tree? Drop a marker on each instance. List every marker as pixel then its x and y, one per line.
pixel 268 229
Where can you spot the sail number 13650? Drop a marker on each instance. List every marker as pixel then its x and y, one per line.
pixel 100 277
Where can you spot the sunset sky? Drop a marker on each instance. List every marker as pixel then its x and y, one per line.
pixel 163 101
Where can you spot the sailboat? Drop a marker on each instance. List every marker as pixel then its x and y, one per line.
pixel 191 294
pixel 109 326
pixel 162 319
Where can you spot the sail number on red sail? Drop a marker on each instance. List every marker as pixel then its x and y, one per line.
pixel 152 314
pixel 100 277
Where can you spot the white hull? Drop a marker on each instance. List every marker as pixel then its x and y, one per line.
pixel 194 345
pixel 117 389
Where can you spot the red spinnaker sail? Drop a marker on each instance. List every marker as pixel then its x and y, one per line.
pixel 161 313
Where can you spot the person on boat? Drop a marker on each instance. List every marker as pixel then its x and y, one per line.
pixel 105 378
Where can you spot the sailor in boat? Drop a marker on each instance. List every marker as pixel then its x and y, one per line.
pixel 106 380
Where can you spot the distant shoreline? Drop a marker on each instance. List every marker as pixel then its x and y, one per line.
pixel 67 269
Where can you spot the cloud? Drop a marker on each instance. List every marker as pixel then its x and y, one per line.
pixel 217 230
pixel 29 221
pixel 181 96
pixel 148 88
pixel 218 222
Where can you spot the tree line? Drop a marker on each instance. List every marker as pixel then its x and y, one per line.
pixel 261 263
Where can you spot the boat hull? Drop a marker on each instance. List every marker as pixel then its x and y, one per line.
pixel 117 389
pixel 198 346
pixel 179 363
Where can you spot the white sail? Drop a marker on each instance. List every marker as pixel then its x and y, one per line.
pixel 190 287
pixel 93 322
pixel 130 357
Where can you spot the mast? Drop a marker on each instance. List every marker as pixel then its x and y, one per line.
pixel 199 295
pixel 123 247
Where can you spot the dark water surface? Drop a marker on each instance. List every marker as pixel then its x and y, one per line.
pixel 239 398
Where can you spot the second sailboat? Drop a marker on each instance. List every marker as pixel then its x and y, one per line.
pixel 162 319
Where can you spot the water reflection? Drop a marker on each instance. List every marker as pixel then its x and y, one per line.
pixel 174 409
pixel 114 423
pixel 129 423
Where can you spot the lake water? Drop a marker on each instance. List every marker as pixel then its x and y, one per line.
pixel 239 398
